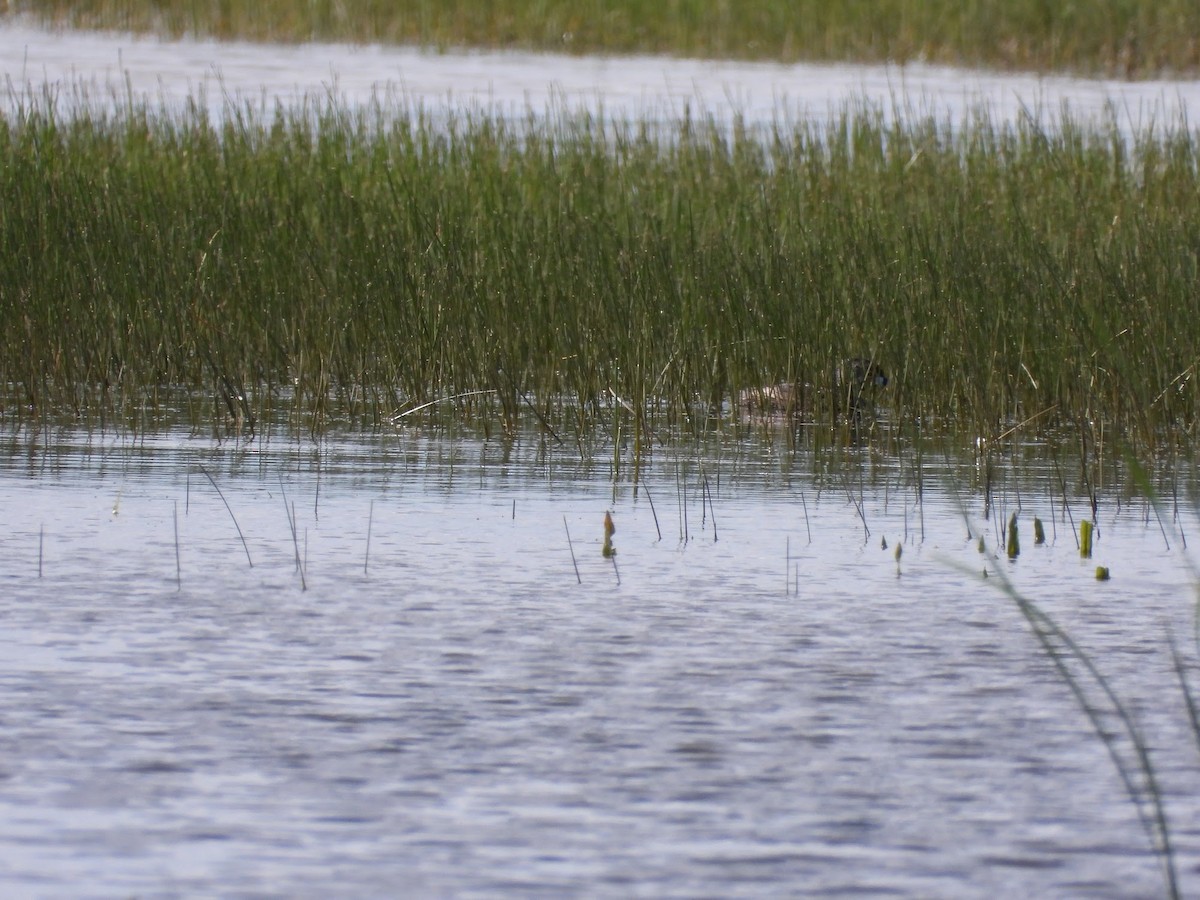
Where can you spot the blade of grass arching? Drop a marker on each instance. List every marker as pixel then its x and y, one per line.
pixel 371 519
pixel 711 509
pixel 301 565
pixel 245 546
pixel 290 512
pixel 178 568
pixel 857 506
pixel 1186 689
pixel 1157 827
pixel 1047 632
pixel 652 510
pixel 416 409
pixel 1141 480
pixel 571 547
pixel 524 396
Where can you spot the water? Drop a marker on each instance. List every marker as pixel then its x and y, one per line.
pixel 515 84
pixel 469 718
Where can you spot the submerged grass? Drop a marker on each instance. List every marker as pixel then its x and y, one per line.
pixel 351 262
pixel 1126 37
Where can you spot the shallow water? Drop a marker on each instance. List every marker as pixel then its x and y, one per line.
pixel 770 707
pixel 625 88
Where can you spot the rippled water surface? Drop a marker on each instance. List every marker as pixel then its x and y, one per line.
pixel 773 706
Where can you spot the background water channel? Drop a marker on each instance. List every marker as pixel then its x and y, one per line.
pixel 220 74
pixel 772 706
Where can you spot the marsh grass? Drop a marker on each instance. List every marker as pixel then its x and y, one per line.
pixel 1112 721
pixel 229 509
pixel 351 264
pixel 1112 718
pixel 1126 37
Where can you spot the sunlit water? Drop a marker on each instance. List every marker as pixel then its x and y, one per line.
pixel 442 705
pixel 505 83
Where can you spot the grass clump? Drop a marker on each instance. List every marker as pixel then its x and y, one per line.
pixel 353 261
pixel 1110 36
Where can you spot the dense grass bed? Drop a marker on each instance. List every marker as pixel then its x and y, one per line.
pixel 1123 37
pixel 360 261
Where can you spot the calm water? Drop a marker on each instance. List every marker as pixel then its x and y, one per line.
pixel 767 708
pixel 625 88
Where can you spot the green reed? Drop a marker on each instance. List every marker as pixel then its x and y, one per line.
pixel 1114 723
pixel 1116 36
pixel 1113 719
pixel 354 261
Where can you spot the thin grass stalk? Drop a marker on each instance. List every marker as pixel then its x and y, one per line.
pixel 1061 648
pixel 301 563
pixel 178 566
pixel 1185 688
pixel 807 524
pixel 712 511
pixel 371 519
pixel 571 547
pixel 643 486
pixel 229 510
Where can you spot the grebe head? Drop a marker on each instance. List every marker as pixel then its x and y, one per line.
pixel 861 373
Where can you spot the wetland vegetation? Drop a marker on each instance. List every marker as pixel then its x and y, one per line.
pixel 356 262
pixel 1115 37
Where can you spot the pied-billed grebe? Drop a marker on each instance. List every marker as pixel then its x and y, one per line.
pixel 845 391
